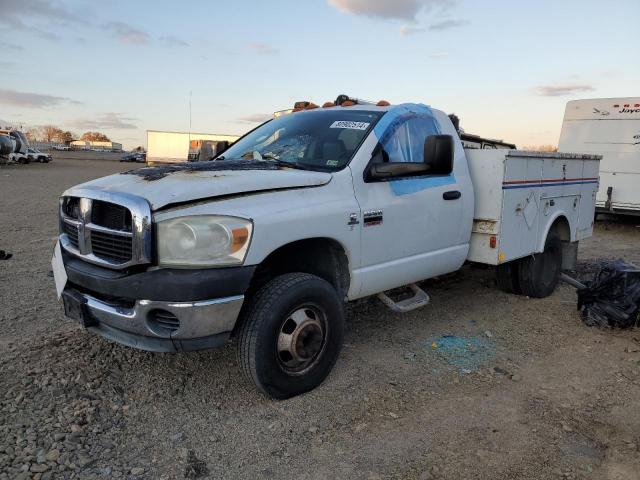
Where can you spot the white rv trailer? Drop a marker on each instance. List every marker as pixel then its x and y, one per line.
pixel 609 127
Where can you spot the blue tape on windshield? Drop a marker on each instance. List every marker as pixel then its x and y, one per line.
pixel 388 125
pixel 399 114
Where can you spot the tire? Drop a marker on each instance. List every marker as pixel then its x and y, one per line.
pixel 292 306
pixel 539 274
pixel 507 277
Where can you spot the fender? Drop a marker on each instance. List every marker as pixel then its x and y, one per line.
pixel 547 227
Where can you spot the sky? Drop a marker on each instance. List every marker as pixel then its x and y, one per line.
pixel 505 67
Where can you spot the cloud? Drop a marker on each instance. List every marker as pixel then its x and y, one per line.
pixel 262 48
pixel 127 33
pixel 447 24
pixel 406 30
pixel 5 123
pixel 14 13
pixel 31 100
pixel 104 121
pixel 561 90
pixel 13 10
pixel 393 9
pixel 11 46
pixel 171 41
pixel 256 118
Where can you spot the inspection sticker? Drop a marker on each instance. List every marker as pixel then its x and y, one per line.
pixel 350 125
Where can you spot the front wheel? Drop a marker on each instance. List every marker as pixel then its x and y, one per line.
pixel 291 334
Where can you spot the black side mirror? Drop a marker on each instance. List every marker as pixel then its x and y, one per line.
pixel 438 154
pixel 386 171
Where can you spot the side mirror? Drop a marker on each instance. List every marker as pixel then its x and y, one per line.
pixel 382 171
pixel 438 154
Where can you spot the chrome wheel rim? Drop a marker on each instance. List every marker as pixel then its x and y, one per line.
pixel 301 339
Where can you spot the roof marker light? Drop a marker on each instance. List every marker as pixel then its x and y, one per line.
pixel 328 104
pixel 383 103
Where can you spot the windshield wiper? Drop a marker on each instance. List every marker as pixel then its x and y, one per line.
pixel 285 163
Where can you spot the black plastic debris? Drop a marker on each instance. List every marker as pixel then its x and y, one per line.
pixel 612 298
pixel 5 255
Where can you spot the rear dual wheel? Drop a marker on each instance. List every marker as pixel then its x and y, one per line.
pixel 291 334
pixel 536 275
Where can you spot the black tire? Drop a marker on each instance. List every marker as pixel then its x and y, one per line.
pixel 540 273
pixel 507 277
pixel 266 321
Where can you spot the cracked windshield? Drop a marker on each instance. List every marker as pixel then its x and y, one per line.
pixel 315 140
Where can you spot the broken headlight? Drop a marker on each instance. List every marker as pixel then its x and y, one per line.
pixel 203 241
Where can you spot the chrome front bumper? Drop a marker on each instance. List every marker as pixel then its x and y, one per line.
pixel 202 324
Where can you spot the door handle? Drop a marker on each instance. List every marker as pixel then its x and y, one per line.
pixel 452 195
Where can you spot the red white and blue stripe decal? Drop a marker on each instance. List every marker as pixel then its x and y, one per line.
pixel 547 183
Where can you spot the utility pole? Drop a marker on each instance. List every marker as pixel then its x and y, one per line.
pixel 190 93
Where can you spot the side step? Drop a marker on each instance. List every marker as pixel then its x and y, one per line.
pixel 419 299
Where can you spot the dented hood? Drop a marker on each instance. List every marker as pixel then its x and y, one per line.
pixel 176 184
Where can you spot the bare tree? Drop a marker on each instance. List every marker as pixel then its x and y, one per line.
pixel 541 148
pixel 65 137
pixel 50 132
pixel 94 137
pixel 33 134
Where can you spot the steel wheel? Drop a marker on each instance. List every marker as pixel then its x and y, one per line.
pixel 301 339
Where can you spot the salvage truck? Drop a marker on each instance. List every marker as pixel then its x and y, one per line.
pixel 311 209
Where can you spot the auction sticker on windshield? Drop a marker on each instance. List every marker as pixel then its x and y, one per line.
pixel 351 125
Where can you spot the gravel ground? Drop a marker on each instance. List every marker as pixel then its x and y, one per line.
pixel 479 384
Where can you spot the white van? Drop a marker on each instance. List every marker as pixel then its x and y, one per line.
pixel 609 127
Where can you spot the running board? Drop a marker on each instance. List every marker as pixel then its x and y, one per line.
pixel 419 299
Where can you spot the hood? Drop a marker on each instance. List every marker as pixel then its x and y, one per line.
pixel 174 184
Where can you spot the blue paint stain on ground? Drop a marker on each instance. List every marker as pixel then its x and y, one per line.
pixel 464 353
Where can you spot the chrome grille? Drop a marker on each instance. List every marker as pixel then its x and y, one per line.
pixel 72 233
pixel 111 216
pixel 106 228
pixel 116 248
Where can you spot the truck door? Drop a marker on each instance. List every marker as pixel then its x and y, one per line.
pixel 412 228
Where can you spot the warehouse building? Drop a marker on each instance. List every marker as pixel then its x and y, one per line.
pixel 98 146
pixel 177 147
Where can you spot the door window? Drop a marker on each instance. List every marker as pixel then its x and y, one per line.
pixel 406 143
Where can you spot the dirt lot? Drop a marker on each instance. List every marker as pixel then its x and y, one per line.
pixel 479 384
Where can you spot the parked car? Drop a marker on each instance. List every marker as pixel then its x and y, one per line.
pixel 17 152
pixel 138 157
pixel 36 155
pixel 63 148
pixel 305 212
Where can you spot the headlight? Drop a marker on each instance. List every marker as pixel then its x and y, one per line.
pixel 203 241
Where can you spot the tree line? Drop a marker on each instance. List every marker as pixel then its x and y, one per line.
pixel 51 133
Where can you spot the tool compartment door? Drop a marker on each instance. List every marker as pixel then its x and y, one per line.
pixel 520 207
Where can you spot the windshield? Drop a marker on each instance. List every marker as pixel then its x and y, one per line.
pixel 316 139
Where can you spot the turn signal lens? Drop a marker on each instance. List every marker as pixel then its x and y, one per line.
pixel 239 238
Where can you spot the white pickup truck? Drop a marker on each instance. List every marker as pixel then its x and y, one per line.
pixel 307 211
